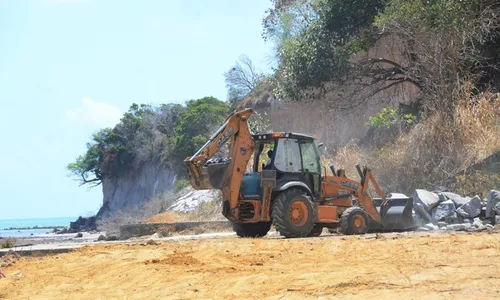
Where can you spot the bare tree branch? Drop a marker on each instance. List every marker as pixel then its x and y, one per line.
pixel 242 78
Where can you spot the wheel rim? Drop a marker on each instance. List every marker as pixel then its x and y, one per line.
pixel 298 213
pixel 358 222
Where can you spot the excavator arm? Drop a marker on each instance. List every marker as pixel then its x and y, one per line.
pixel 225 174
pixel 360 191
pixel 365 200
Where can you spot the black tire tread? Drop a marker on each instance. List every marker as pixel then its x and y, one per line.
pixel 345 227
pixel 316 231
pixel 279 214
pixel 252 230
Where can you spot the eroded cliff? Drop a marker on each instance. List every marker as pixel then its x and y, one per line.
pixel 135 188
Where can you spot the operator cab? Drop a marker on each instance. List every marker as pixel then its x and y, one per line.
pixel 294 158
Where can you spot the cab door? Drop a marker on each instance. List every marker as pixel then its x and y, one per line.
pixel 311 166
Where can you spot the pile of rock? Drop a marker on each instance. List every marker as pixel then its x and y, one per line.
pixel 81 224
pixel 450 211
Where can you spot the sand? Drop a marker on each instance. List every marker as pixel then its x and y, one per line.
pixel 166 217
pixel 389 266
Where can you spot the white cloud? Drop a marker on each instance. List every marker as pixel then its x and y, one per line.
pixel 95 113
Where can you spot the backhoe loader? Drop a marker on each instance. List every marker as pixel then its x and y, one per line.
pixel 293 191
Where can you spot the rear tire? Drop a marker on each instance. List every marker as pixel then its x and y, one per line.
pixel 354 220
pixel 252 230
pixel 293 213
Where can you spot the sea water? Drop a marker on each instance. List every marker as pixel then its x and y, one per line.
pixel 25 223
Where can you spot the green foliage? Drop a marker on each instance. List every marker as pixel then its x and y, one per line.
pixel 320 51
pixel 180 185
pixel 316 39
pixel 287 20
pixel 89 167
pixel 165 135
pixel 388 117
pixel 114 151
pixel 309 61
pixel 200 120
pixel 448 42
pixel 436 15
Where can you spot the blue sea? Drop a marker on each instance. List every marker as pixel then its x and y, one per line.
pixel 23 223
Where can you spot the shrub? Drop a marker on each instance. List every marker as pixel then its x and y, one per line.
pixel 8 243
pixel 180 185
pixel 388 117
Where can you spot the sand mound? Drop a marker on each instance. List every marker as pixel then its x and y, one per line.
pixel 166 217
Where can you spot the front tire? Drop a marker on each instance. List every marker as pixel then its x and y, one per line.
pixel 252 230
pixel 293 213
pixel 354 220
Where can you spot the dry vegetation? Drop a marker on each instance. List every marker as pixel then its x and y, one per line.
pixel 7 243
pixel 435 150
pixel 156 211
pixel 207 211
pixel 9 259
pixel 165 217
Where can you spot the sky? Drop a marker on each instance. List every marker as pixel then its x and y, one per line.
pixel 71 67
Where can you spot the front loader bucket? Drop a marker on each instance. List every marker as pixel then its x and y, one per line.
pixel 398 216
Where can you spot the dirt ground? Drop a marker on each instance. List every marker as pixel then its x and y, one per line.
pixel 394 266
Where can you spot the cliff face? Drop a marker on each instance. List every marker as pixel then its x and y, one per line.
pixel 134 188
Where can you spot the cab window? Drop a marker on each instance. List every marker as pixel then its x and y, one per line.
pixel 287 156
pixel 310 157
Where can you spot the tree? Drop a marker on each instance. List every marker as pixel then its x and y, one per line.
pixel 88 168
pixel 287 19
pixel 202 117
pixel 146 133
pixel 444 44
pixel 319 48
pixel 241 79
pixel 440 39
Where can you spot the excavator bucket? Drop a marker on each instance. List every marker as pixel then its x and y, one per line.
pixel 397 215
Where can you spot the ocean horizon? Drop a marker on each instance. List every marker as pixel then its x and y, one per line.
pixel 5 224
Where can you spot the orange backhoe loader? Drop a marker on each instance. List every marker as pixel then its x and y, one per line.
pixel 292 191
